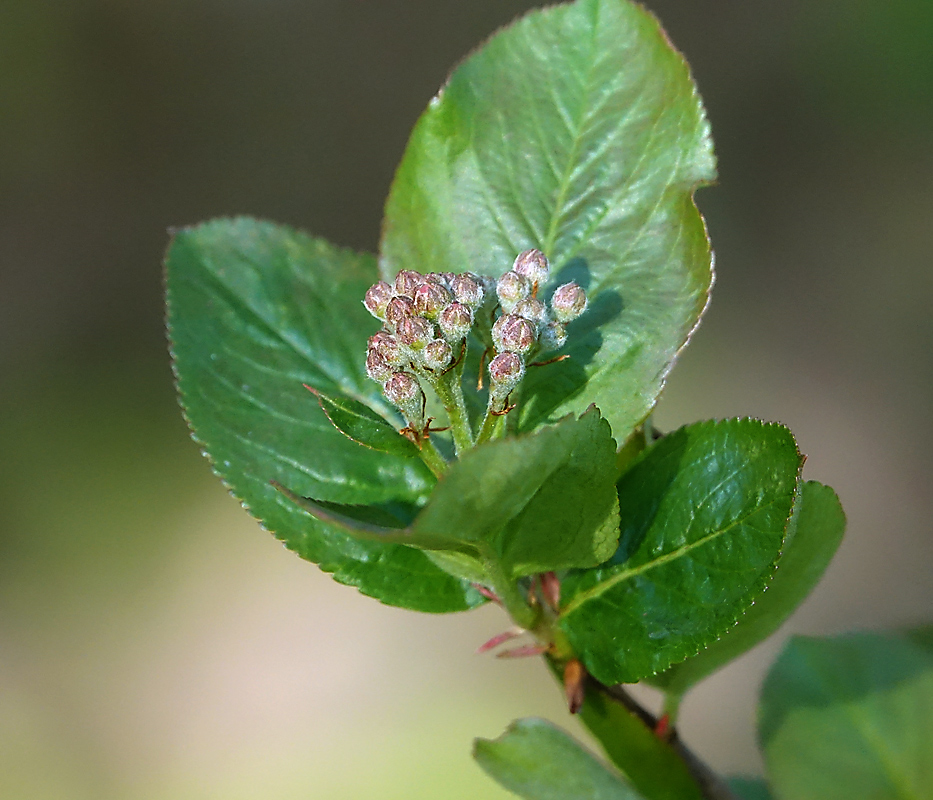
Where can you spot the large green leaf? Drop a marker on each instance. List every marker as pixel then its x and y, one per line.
pixel 255 311
pixel 577 130
pixel 538 761
pixel 527 504
pixel 849 718
pixel 750 788
pixel 820 522
pixel 704 513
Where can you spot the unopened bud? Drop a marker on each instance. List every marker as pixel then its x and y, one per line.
pixel 377 298
pixel 399 308
pixel 514 334
pixel 467 290
pixel 437 355
pixel 553 337
pixel 512 288
pixel 532 310
pixel 430 298
pixel 414 332
pixel 506 371
pixel 404 391
pixel 407 281
pixel 568 303
pixel 377 367
pixel 532 264
pixel 385 344
pixel 455 321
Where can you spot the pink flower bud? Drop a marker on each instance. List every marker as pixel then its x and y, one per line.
pixel 512 288
pixel 568 303
pixel 430 298
pixel 467 290
pixel 532 310
pixel 505 373
pixel 407 281
pixel 532 265
pixel 414 332
pixel 455 321
pixel 514 334
pixel 437 355
pixel 553 337
pixel 386 346
pixel 404 391
pixel 377 367
pixel 398 309
pixel 377 298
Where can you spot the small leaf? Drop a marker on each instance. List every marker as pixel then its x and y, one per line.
pixel 534 503
pixel 364 426
pixel 704 513
pixel 849 718
pixel 576 130
pixel 750 788
pixel 648 762
pixel 538 761
pixel 256 310
pixel 820 523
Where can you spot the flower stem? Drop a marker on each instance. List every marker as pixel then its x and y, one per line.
pixel 431 456
pixel 450 392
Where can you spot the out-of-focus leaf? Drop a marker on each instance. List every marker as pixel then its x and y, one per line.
pixel 576 130
pixel 538 761
pixel 750 788
pixel 849 718
pixel 816 533
pixel 704 513
pixel 251 313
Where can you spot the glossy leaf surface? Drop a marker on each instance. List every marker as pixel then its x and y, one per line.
pixel 538 761
pixel 704 513
pixel 816 533
pixel 364 426
pixel 251 312
pixel 576 130
pixel 849 718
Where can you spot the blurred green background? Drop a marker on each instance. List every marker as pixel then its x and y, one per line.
pixel 154 643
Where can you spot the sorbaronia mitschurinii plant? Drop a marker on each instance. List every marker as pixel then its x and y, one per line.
pixel 478 422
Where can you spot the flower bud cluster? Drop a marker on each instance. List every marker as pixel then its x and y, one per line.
pixel 425 320
pixel 527 326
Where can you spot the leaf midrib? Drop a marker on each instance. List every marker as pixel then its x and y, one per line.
pixel 603 586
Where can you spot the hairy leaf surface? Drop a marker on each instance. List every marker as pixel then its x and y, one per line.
pixel 576 130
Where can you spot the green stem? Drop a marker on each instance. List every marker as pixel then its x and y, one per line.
pixel 672 706
pixel 450 392
pixel 431 456
pixel 512 597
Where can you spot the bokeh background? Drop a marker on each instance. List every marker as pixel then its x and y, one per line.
pixel 154 643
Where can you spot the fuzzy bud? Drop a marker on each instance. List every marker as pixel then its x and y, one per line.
pixel 404 391
pixel 407 281
pixel 512 288
pixel 553 337
pixel 437 355
pixel 455 321
pixel 532 265
pixel 568 303
pixel 468 290
pixel 430 298
pixel 377 367
pixel 388 348
pixel 506 371
pixel 415 332
pixel 532 310
pixel 514 334
pixel 377 298
pixel 399 308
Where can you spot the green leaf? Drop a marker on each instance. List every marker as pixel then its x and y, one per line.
pixel 922 637
pixel 577 130
pixel 849 718
pixel 533 503
pixel 820 522
pixel 750 788
pixel 364 426
pixel 704 513
pixel 649 763
pixel 538 761
pixel 251 313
